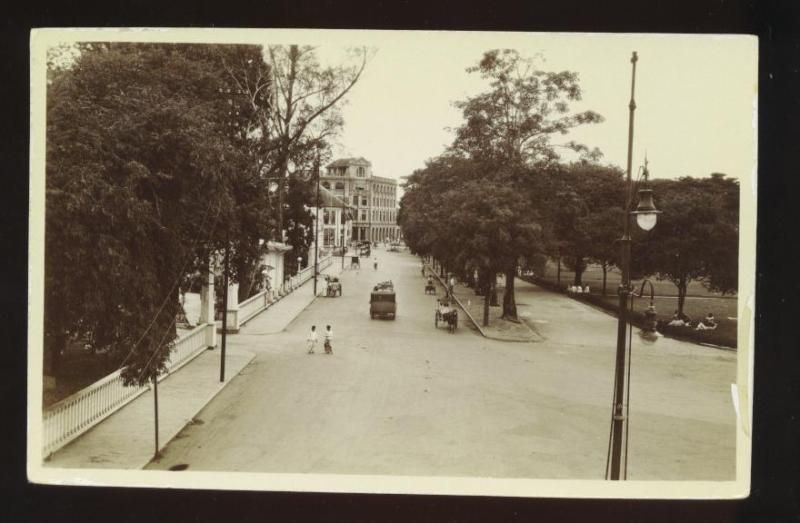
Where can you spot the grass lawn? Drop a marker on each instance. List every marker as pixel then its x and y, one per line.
pixel 699 302
pixel 696 309
pixel 593 277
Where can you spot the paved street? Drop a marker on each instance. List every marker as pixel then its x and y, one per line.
pixel 403 398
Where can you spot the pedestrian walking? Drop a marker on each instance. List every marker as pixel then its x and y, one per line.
pixel 311 340
pixel 375 262
pixel 328 339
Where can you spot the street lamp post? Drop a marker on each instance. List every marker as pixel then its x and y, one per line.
pixel 226 270
pixel 359 192
pixel 316 227
pixel 342 224
pixel 646 215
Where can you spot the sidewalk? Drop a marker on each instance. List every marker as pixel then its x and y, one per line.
pixel 126 439
pixel 498 328
pixel 281 313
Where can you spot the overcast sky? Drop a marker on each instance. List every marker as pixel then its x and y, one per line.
pixel 695 96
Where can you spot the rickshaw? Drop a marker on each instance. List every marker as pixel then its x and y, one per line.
pixel 382 300
pixel 333 286
pixel 447 313
pixel 355 263
pixel 430 288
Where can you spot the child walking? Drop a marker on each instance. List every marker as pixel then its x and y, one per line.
pixel 312 339
pixel 328 338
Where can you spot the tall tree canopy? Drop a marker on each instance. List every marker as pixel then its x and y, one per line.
pixel 508 130
pixel 142 171
pixel 588 216
pixel 697 235
pixel 515 120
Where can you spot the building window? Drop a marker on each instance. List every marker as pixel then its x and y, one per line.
pixel 363 215
pixel 361 172
pixel 340 186
pixel 326 217
pixel 326 185
pixel 328 238
pixel 364 201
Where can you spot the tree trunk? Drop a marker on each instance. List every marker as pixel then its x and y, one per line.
pixel 469 278
pixel 605 272
pixel 579 268
pixel 558 273
pixel 487 292
pixel 245 281
pixel 509 303
pixel 493 286
pixel 681 295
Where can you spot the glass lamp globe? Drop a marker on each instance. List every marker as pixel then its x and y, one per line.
pixel 646 221
pixel 646 212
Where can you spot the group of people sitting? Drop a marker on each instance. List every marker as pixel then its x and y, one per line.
pixel 577 289
pixel 682 320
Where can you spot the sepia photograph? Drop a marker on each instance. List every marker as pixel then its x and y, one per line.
pixel 471 263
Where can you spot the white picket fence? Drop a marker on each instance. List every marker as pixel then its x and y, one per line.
pixel 250 307
pixel 306 274
pixel 64 421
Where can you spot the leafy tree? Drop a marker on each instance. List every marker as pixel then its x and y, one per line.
pixel 248 89
pixel 603 228
pixel 299 221
pixel 304 105
pixel 509 128
pixel 697 235
pixel 141 171
pixel 589 216
pixel 450 212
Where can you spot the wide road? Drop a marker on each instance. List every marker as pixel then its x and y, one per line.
pixel 399 397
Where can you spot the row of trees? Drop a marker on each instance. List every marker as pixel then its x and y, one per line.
pixel 158 157
pixel 500 197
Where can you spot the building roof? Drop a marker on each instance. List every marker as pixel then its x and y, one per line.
pixel 344 162
pixel 328 199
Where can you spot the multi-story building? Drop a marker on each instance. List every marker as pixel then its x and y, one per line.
pixel 335 220
pixel 372 198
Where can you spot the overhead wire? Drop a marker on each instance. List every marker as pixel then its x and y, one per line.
pixel 189 252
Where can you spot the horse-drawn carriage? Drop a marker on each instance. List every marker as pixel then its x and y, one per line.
pixel 447 313
pixel 364 248
pixel 430 288
pixel 333 286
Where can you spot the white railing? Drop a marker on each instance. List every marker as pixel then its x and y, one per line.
pixel 308 273
pixel 64 421
pixel 188 346
pixel 252 306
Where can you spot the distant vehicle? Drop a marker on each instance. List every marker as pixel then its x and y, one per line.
pixel 364 248
pixel 395 247
pixel 334 286
pixel 447 313
pixel 382 301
